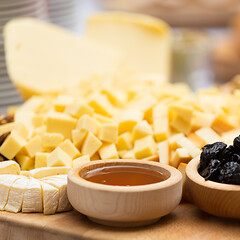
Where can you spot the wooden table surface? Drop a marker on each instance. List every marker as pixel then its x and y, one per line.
pixel 186 222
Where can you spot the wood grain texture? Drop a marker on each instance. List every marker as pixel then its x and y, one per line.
pixel 186 222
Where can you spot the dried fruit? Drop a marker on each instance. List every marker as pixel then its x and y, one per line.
pixel 230 173
pixel 211 170
pixel 236 142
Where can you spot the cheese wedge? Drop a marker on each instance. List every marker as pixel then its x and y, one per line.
pixel 16 193
pixel 50 197
pixel 32 200
pixel 68 60
pixel 9 167
pixel 6 182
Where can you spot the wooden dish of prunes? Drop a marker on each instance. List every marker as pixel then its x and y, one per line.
pixel 213 179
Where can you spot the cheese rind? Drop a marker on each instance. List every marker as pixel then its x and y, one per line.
pixel 48 171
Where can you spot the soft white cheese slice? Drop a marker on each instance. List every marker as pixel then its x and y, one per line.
pixel 61 184
pixel 32 200
pixel 6 182
pixel 48 171
pixel 50 196
pixel 16 193
pixel 9 167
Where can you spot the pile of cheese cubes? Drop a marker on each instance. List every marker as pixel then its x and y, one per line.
pixel 109 118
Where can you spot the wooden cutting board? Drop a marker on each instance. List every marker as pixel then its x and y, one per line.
pixel 186 222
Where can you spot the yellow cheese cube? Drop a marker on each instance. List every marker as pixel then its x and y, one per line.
pixel 8 127
pixel 173 140
pixel 108 151
pixel 124 141
pixel 38 120
pixel 102 119
pixel 68 147
pixel 180 155
pixel 95 156
pixel 222 124
pixel 117 98
pixel 108 132
pixel 41 159
pixel 81 160
pixel 32 146
pixel 22 130
pixel 60 123
pixel 129 155
pixel 51 140
pixel 88 123
pixel 39 131
pixel 121 153
pixel 25 162
pixel 163 152
pixel 58 158
pixel 62 101
pixel 12 145
pixel 181 125
pixel 101 105
pixel 189 146
pixel 198 142
pixel 208 135
pixel 201 119
pixel 142 129
pixel 154 158
pixel 128 119
pixel 78 136
pixel 78 109
pixel 182 110
pixel 91 144
pixel 144 147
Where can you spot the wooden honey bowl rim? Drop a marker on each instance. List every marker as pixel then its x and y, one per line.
pixel 193 175
pixel 174 176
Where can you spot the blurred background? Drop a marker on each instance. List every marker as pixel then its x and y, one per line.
pixel 206 34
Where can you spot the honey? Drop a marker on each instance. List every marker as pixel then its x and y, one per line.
pixel 124 175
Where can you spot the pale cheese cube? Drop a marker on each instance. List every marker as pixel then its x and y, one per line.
pixel 32 199
pixel 9 167
pixel 62 101
pixel 78 109
pixel 8 127
pixel 201 119
pixel 38 120
pixel 22 130
pixel 41 159
pixel 81 160
pixel 117 98
pixel 59 158
pixel 181 124
pixel 48 171
pixel 124 142
pixel 39 131
pixel 25 162
pixel 108 132
pixel 141 129
pixel 180 155
pixel 32 146
pixel 173 140
pixel 188 146
pixel 108 151
pixel 129 155
pixel 60 123
pixel 208 135
pixel 68 147
pixel 95 156
pixel 182 110
pixel 153 158
pixel 198 142
pixel 88 123
pixel 78 136
pixel 222 124
pixel 90 145
pixel 163 152
pixel 12 145
pixel 102 119
pixel 16 194
pixel 51 140
pixel 144 147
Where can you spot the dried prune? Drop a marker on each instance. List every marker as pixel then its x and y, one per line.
pixel 236 142
pixel 211 170
pixel 230 173
pixel 228 152
pixel 209 152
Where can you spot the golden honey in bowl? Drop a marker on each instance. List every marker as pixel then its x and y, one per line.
pixel 124 175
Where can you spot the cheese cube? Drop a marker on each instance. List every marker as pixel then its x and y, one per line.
pixel 62 101
pixel 201 119
pixel 38 120
pixel 81 160
pixel 88 123
pixel 78 136
pixel 58 158
pixel 39 131
pixel 8 127
pixel 183 111
pixel 9 167
pixel 78 109
pixel 25 162
pixel 22 130
pixel 208 135
pixel 229 136
pixel 128 119
pixel 108 151
pixel 222 124
pixel 144 147
pixel 189 146
pixel 129 155
pixel 117 98
pixel 108 132
pixel 68 147
pixel 41 159
pixel 196 140
pixel 181 125
pixel 12 145
pixel 121 153
pixel 163 152
pixel 95 156
pixel 101 105
pixel 90 145
pixel 124 141
pixel 173 140
pixel 51 140
pixel 142 129
pixel 32 146
pixel 154 158
pixel 60 123
pixel 102 119
pixel 180 155
pixel 48 171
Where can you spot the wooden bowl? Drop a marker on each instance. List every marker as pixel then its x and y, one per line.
pixel 218 199
pixel 124 205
